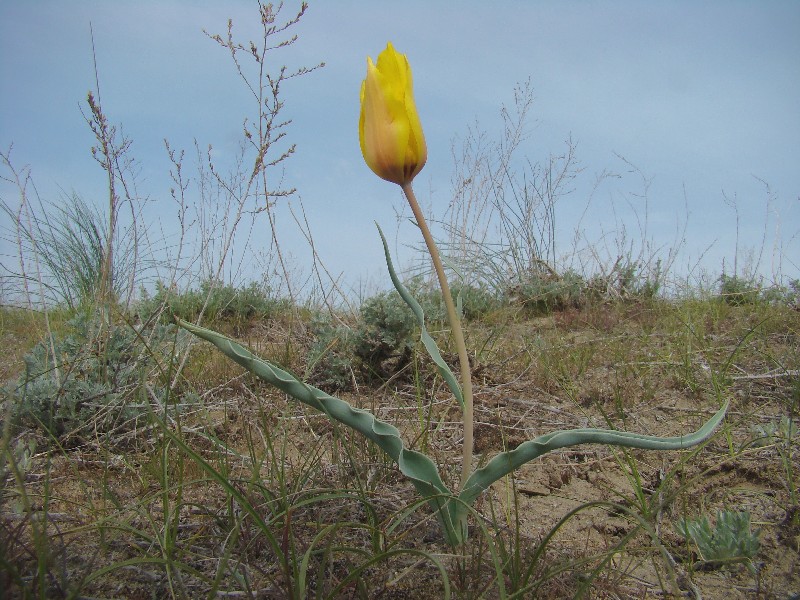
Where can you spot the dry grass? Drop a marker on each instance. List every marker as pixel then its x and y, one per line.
pixel 251 495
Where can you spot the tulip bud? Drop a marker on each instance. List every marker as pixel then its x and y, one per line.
pixel 389 128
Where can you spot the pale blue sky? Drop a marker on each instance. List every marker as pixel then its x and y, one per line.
pixel 702 97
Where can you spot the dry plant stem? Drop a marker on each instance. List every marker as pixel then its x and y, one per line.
pixel 458 333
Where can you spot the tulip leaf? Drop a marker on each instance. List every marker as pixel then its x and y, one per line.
pixel 506 462
pixel 425 337
pixel 421 470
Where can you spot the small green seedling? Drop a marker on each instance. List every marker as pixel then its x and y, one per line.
pixel 731 540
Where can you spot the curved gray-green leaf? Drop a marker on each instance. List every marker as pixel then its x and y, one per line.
pixel 427 340
pixel 422 472
pixel 506 462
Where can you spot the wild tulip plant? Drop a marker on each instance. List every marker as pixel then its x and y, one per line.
pixel 393 145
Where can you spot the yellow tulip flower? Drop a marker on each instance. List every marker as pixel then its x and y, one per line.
pixel 389 128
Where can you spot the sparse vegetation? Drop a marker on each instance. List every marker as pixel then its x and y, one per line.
pixel 135 463
pixel 301 482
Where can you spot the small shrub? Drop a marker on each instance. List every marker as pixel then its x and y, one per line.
pixel 388 331
pixel 627 281
pixel 97 377
pixel 331 358
pixel 780 295
pixel 541 295
pixel 475 301
pixel 634 282
pixel 239 306
pixel 384 338
pixel 793 294
pixel 738 291
pixel 730 541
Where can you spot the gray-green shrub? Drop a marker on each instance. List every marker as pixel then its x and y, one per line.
pixel 738 291
pixel 239 305
pixel 543 294
pixel 93 374
pixel 330 361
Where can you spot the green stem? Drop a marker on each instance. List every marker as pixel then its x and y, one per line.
pixel 458 334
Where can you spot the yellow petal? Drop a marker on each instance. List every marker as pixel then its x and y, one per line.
pixel 390 132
